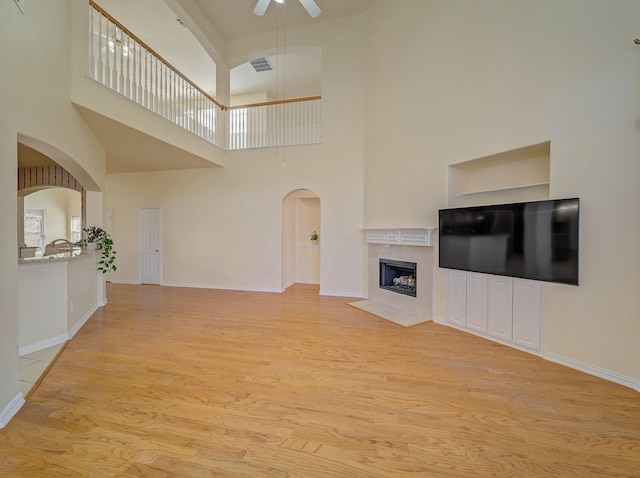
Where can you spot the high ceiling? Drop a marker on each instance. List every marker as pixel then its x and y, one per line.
pixel 233 18
pixel 155 23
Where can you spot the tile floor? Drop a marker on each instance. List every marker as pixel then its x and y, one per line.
pixel 33 365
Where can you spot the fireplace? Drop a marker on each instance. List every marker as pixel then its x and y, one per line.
pixel 407 253
pixel 398 276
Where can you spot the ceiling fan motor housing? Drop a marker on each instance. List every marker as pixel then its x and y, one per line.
pixel 310 6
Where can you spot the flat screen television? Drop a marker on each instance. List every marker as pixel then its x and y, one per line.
pixel 533 240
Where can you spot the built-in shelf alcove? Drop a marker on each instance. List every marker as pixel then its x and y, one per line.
pixel 517 175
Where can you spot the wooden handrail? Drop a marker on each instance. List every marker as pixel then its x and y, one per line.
pixel 152 51
pixel 177 72
pixel 275 102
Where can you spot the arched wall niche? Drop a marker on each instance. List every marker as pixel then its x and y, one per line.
pixel 301 216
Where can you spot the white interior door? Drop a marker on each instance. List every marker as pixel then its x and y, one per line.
pixel 150 231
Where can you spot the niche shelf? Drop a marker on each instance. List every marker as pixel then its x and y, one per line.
pixel 524 187
pixel 512 176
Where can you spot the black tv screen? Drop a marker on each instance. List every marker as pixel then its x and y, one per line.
pixel 532 240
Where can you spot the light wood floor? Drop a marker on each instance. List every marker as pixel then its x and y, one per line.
pixel 169 382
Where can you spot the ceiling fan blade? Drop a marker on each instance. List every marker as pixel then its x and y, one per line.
pixel 261 7
pixel 311 7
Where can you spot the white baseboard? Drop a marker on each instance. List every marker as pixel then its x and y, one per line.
pixel 341 294
pixel 44 344
pixel 562 360
pixel 82 321
pixel 11 409
pixel 59 339
pixel 221 287
pixel 245 289
pixel 593 370
pixel 131 282
pixel 287 286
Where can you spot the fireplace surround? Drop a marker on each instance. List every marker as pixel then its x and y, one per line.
pixel 400 246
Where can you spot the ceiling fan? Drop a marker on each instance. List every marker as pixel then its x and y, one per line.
pixel 310 6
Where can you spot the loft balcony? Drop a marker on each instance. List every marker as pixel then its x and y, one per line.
pixel 119 62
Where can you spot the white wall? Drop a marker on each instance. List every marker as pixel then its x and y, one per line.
pixel 43 302
pixel 223 226
pixel 56 298
pixel 288 238
pixel 35 80
pixel 250 98
pixel 85 290
pixel 454 80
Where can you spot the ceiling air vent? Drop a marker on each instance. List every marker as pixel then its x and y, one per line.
pixel 261 64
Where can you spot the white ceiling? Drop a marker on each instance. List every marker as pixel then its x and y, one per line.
pixel 155 23
pixel 129 150
pixel 234 18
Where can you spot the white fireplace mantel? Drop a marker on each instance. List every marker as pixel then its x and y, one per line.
pixel 407 236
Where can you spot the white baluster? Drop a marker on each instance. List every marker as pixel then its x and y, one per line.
pixel 172 97
pixel 164 86
pixel 92 41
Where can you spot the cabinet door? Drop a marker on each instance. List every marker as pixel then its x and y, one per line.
pixel 527 313
pixel 477 302
pixel 456 297
pixel 499 308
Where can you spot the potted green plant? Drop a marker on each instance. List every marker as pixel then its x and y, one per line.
pixel 101 241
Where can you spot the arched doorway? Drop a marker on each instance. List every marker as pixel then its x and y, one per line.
pixel 301 217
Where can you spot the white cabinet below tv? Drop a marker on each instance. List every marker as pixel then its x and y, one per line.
pixel 500 308
pixel 503 309
pixel 476 302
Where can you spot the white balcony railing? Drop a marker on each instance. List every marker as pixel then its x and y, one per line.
pixel 121 62
pixel 278 123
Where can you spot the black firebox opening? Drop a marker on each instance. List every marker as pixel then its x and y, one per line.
pixel 398 276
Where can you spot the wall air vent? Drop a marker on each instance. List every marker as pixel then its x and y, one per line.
pixel 261 64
